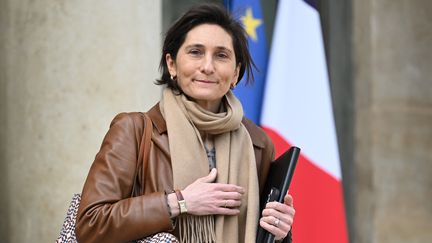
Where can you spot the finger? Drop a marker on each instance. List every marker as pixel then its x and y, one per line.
pixel 226 211
pixel 232 195
pixel 211 177
pixel 272 214
pixel 275 222
pixel 279 207
pixel 284 212
pixel 230 212
pixel 268 223
pixel 229 188
pixel 230 203
pixel 289 200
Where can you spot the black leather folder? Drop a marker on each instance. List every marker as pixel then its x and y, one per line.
pixel 276 186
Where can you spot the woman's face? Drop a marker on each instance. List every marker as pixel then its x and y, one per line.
pixel 205 66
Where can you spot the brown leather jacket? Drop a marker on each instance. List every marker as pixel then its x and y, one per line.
pixel 107 212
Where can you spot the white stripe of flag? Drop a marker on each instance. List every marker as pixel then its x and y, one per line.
pixel 297 102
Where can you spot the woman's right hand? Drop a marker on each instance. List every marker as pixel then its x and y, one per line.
pixel 203 197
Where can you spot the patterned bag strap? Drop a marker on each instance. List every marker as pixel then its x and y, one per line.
pixel 143 157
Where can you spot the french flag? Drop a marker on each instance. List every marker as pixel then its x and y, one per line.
pixel 297 111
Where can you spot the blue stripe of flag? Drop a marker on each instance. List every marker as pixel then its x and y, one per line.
pixel 312 3
pixel 251 96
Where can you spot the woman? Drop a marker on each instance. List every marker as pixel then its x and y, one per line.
pixel 207 163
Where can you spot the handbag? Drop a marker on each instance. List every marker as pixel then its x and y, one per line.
pixel 67 232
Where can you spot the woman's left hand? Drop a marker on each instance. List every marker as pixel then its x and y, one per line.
pixel 277 218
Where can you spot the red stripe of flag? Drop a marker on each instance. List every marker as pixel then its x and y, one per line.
pixel 317 195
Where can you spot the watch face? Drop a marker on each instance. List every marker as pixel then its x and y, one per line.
pixel 182 205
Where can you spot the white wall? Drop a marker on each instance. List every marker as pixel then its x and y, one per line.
pixel 67 67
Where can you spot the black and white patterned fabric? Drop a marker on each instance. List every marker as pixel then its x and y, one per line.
pixel 67 233
pixel 160 238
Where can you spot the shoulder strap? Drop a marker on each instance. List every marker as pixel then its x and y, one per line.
pixel 147 135
pixel 143 156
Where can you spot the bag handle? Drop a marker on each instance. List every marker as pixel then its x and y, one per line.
pixel 143 157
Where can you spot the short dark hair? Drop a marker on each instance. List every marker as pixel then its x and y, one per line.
pixel 208 13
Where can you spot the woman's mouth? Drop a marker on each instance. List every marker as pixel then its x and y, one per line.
pixel 205 81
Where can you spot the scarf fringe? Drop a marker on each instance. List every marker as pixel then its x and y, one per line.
pixel 197 229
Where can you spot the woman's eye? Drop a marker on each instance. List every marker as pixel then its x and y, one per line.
pixel 195 52
pixel 222 55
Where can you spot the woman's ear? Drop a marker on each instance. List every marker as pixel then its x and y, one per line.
pixel 172 69
pixel 237 73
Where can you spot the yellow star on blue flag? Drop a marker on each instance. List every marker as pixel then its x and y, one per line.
pixel 250 23
pixel 249 14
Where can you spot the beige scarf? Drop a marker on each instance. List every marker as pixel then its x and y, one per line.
pixel 235 162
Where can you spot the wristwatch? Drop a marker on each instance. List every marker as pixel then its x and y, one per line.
pixel 181 202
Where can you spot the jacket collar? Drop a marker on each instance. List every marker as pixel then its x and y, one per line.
pixel 157 119
pixel 160 125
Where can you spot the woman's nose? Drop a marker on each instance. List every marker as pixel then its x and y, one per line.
pixel 207 65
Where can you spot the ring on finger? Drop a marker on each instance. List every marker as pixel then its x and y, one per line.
pixel 226 204
pixel 276 222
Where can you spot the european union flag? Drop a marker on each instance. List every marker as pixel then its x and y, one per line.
pixel 249 13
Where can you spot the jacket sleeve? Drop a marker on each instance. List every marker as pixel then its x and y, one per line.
pixel 107 213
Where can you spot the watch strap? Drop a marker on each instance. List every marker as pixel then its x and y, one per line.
pixel 181 202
